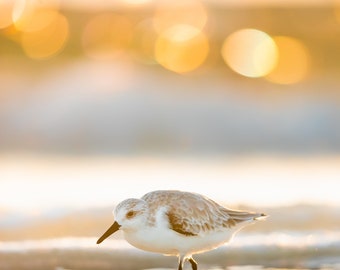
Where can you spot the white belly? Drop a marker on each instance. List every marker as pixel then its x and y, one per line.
pixel 169 242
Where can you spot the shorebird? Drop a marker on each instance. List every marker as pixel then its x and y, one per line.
pixel 177 223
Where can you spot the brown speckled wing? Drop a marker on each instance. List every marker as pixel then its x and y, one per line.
pixel 179 225
pixel 189 213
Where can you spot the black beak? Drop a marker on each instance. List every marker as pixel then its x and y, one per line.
pixel 114 227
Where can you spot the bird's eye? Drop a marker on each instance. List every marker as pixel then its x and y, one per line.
pixel 130 214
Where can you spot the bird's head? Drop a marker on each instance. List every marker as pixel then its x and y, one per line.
pixel 129 215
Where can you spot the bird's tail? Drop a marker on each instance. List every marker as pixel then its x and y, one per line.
pixel 244 216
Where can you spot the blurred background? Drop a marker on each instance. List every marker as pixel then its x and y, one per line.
pixel 105 100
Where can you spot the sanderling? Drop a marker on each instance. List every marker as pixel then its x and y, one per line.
pixel 177 223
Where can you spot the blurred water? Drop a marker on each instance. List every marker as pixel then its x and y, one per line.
pixel 309 249
pixel 246 241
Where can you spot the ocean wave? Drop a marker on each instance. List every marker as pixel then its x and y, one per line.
pixel 312 249
pixel 282 239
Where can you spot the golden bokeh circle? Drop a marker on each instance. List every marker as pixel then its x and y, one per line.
pixel 181 48
pixel 250 52
pixel 293 61
pixel 34 15
pixel 48 41
pixel 6 9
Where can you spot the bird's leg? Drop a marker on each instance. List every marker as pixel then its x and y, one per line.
pixel 193 263
pixel 180 265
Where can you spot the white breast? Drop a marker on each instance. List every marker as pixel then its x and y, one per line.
pixel 167 241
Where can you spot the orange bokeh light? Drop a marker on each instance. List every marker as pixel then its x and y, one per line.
pixel 250 52
pixel 337 10
pixel 6 9
pixel 181 48
pixel 29 16
pixel 106 36
pixel 48 41
pixel 293 61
